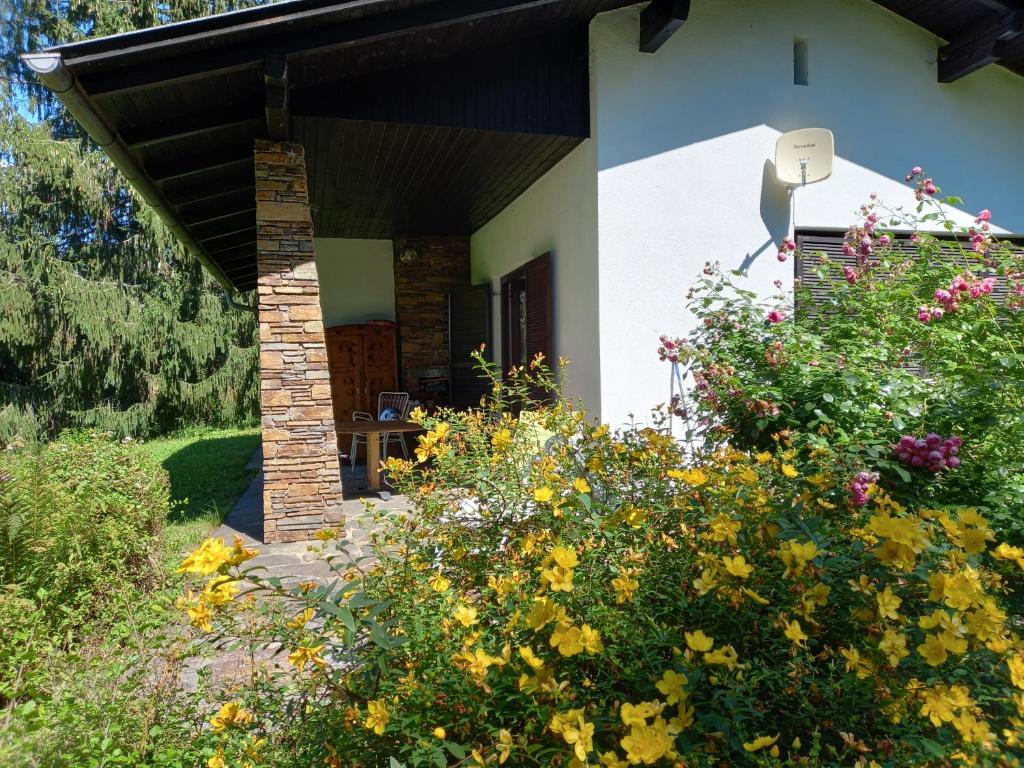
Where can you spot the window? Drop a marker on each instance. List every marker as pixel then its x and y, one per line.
pixel 801 64
pixel 526 313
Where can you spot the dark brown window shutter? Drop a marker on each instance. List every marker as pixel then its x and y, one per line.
pixel 538 308
pixel 469 326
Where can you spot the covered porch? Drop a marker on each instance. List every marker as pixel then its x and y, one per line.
pixel 336 158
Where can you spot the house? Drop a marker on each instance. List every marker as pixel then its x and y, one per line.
pixel 580 159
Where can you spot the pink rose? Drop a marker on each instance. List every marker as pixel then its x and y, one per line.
pixel 775 316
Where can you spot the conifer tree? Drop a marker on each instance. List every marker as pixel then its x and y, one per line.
pixel 105 321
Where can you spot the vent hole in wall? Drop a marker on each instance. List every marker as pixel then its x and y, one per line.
pixel 800 65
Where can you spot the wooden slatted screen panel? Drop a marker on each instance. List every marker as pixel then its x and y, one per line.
pixel 469 326
pixel 807 263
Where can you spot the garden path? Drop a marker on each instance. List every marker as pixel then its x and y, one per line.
pixel 291 562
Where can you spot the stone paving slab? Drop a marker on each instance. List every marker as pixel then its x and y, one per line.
pixel 292 562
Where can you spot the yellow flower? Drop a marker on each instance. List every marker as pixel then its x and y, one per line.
pixel 725 656
pixel 673 686
pixel 466 615
pixel 760 742
pixel 199 614
pixel 207 559
pixel 376 716
pixel 723 528
pixel 567 639
pixel 797 555
pixel 789 470
pixel 611 760
pixel 639 714
pixel 941 702
pixel 580 737
pixel 502 439
pixel 325 534
pixel 231 714
pixel 301 619
pixel 544 611
pixel 543 494
pixel 625 585
pixel 737 566
pixel 854 663
pixel 439 583
pixel 307 654
pixel 591 639
pixel 698 641
pixel 707 581
pixel 1005 552
pixel 795 634
pixel 505 745
pixel 217 761
pixel 933 651
pixel 219 592
pixel 558 579
pixel 440 733
pixel 647 743
pixel 581 485
pixel 693 476
pixel 238 553
pixel 534 661
pixel 894 646
pixel 888 604
pixel 1016 666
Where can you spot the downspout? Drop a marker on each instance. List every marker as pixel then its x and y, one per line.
pixel 50 70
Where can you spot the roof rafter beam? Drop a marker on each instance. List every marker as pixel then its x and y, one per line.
pixel 659 21
pixel 979 47
pixel 197 164
pixel 275 89
pixel 188 125
pixel 237 222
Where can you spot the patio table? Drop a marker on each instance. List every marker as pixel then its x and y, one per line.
pixel 373 429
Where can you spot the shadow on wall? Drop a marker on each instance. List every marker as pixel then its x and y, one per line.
pixel 876 90
pixel 208 475
pixel 776 214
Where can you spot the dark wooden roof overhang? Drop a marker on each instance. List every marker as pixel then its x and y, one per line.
pixel 418 116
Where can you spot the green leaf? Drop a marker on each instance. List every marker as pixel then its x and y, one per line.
pixel 457 750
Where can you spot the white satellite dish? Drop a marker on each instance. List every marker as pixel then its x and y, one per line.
pixel 804 156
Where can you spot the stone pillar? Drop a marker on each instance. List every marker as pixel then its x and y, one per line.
pixel 301 476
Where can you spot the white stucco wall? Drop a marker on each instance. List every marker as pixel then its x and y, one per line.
pixel 557 214
pixel 683 138
pixel 357 280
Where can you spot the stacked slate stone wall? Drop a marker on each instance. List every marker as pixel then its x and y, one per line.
pixel 425 269
pixel 302 481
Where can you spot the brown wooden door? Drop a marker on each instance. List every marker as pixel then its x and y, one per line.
pixel 345 354
pixel 379 364
pixel 362 364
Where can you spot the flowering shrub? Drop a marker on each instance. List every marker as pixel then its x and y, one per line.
pixel 907 363
pixel 562 595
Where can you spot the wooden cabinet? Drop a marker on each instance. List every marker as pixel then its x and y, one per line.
pixel 364 362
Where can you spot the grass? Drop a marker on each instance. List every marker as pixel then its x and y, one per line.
pixel 207 473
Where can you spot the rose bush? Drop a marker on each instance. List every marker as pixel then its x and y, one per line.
pixel 564 595
pixel 913 343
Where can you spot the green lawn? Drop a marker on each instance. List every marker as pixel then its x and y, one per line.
pixel 208 474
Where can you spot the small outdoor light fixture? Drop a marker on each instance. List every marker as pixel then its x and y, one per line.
pixel 408 254
pixel 804 156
